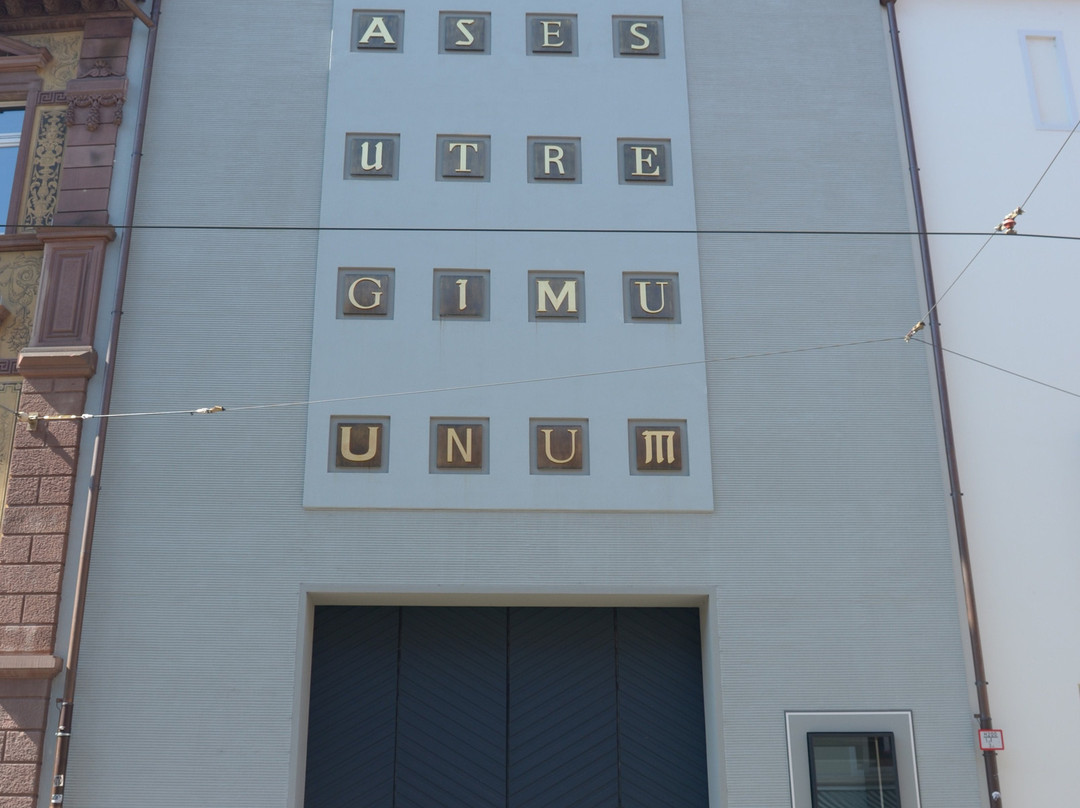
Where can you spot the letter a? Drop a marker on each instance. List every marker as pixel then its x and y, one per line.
pixel 377 27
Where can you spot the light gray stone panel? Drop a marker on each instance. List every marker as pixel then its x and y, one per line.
pixel 474 361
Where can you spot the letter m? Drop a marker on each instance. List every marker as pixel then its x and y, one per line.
pixel 567 296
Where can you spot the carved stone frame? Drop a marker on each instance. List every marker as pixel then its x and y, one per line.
pixel 19 81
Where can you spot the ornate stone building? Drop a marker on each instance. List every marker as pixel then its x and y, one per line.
pixel 64 84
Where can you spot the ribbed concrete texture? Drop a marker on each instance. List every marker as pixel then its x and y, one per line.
pixel 825 564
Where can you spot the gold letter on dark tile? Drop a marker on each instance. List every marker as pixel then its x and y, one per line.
pixel 559 447
pixel 360 445
pixel 459 446
pixel 460 294
pixel 658 448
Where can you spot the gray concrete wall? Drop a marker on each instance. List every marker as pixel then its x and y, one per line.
pixel 825 569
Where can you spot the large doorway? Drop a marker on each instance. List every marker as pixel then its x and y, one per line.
pixel 416 707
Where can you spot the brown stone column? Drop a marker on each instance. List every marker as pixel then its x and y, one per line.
pixel 32 551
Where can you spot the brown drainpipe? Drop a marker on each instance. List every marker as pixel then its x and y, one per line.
pixel 955 493
pixel 67 703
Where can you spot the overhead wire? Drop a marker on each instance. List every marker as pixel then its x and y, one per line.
pixel 23 416
pixel 999 229
pixel 617 231
pixel 1051 164
pixel 29 418
pixel 1001 369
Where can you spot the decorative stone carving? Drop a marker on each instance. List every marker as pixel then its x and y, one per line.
pixel 64 47
pixel 19 275
pixel 101 69
pixel 94 104
pixel 43 184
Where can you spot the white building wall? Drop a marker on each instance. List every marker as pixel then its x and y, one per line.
pixel 981 151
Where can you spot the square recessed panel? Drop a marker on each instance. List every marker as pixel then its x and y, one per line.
pixel 462 294
pixel 651 297
pixel 552 34
pixel 559 445
pixel 370 156
pixel 378 31
pixel 638 36
pixel 644 162
pixel 465 32
pixel 365 292
pixel 459 445
pixel 659 447
pixel 360 443
pixel 556 296
pixel 463 157
pixel 555 159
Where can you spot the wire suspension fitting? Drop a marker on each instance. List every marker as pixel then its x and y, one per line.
pixel 32 419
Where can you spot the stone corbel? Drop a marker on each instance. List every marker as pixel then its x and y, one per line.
pixel 95 101
pixel 61 344
pixel 29 666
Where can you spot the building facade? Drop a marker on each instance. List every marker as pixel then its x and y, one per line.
pixel 64 151
pixel 516 411
pixel 983 147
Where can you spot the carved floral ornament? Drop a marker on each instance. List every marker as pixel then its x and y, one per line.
pixel 101 69
pixel 95 102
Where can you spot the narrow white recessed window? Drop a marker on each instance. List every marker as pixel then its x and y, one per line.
pixel 1052 103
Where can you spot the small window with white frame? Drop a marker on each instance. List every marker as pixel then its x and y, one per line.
pixel 852 758
pixel 853 768
pixel 1053 105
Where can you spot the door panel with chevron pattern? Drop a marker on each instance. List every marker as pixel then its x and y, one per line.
pixel 506 708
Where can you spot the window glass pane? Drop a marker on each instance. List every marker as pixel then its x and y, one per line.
pixel 11 122
pixel 852 770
